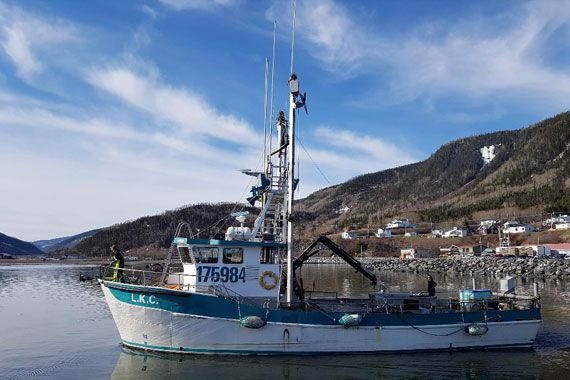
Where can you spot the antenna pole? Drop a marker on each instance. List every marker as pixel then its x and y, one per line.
pixel 265 117
pixel 293 33
pixel 272 86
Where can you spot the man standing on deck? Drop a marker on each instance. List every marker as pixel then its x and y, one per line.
pixel 431 286
pixel 118 264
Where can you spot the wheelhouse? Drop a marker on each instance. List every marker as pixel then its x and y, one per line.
pixel 245 268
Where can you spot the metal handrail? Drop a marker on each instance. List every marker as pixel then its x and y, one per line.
pixel 148 277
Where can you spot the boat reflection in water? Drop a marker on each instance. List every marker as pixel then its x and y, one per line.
pixel 135 364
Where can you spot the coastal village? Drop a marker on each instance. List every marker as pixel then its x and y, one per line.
pixel 494 238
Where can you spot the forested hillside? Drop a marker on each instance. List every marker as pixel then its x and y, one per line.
pixel 531 171
pixel 205 220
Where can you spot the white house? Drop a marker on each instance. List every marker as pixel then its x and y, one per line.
pixel 557 219
pixel 562 226
pixel 415 253
pixel 349 235
pixel 455 232
pixel 383 233
pixel 436 233
pixel 400 223
pixel 449 251
pixel 487 222
pixel 518 228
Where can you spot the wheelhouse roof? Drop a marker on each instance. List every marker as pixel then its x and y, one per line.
pixel 226 243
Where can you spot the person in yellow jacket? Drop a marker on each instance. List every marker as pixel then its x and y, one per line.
pixel 118 264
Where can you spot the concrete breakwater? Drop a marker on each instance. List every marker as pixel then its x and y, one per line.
pixel 527 267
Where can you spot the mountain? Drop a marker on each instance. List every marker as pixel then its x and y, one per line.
pixel 529 173
pixel 205 220
pixel 63 242
pixel 501 174
pixel 15 246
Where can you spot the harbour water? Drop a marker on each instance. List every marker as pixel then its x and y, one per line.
pixel 52 326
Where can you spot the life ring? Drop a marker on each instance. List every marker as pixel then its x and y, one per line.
pixel 271 275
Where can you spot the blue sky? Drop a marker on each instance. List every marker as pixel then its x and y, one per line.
pixel 112 110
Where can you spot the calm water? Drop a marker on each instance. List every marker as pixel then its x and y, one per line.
pixel 54 327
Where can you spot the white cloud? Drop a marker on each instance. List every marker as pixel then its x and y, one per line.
pixel 382 154
pixel 187 110
pixel 151 12
pixel 124 163
pixel 199 4
pixel 39 118
pixel 117 173
pixel 121 172
pixel 343 154
pixel 23 36
pixel 474 57
pixel 125 186
pixel 334 37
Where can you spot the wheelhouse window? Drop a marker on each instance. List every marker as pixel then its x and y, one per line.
pixel 268 255
pixel 233 256
pixel 205 254
pixel 184 254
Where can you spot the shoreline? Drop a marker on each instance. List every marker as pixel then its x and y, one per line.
pixel 522 267
pixel 10 262
pixel 91 261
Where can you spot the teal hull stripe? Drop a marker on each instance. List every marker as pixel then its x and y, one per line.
pixel 217 307
pixel 183 350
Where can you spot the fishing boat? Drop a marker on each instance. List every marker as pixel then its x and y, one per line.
pixel 242 294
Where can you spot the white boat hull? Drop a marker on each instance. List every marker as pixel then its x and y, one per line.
pixel 162 330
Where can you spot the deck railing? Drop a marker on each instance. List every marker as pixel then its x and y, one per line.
pixel 329 302
pixel 155 279
pixel 418 304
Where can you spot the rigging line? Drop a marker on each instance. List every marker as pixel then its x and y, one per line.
pixel 314 163
pixel 237 203
pixel 234 209
pixel 293 32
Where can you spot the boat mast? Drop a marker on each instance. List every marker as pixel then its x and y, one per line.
pixel 291 185
pixel 294 91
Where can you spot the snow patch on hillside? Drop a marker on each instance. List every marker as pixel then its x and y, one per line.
pixel 488 153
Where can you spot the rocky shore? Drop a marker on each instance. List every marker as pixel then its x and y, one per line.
pixel 525 267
